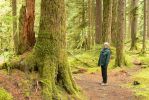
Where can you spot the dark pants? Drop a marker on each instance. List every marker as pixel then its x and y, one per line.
pixel 104 73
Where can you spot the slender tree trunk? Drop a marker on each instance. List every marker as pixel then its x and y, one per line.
pixel 119 61
pixel 98 31
pixel 89 24
pixel 107 19
pixel 134 5
pixel 129 20
pixel 50 54
pixel 148 18
pixel 93 22
pixel 145 27
pixel 15 36
pixel 85 44
pixel 114 22
pixel 26 27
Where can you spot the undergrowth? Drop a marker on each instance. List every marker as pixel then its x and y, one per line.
pixel 4 95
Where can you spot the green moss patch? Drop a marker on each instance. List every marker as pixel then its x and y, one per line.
pixel 141 90
pixel 4 95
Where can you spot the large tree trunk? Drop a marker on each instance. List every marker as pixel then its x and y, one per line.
pixel 134 5
pixel 98 31
pixel 119 61
pixel 114 22
pixel 26 27
pixel 15 36
pixel 107 19
pixel 145 27
pixel 50 54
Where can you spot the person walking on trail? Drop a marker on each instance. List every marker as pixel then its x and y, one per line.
pixel 104 59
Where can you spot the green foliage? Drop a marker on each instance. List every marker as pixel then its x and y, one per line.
pixel 4 95
pixel 5 24
pixel 89 59
pixel 76 23
pixel 145 60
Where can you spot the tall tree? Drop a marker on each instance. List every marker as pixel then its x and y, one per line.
pixel 107 18
pixel 148 18
pixel 129 19
pixel 89 41
pixel 114 22
pixel 119 61
pixel 49 54
pixel 14 14
pixel 134 15
pixel 98 30
pixel 145 27
pixel 90 23
pixel 26 27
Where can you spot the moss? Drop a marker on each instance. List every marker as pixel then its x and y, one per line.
pixel 141 90
pixel 4 95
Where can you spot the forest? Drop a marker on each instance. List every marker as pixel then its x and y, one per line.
pixel 51 49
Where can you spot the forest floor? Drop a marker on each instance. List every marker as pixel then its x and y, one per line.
pixel 90 84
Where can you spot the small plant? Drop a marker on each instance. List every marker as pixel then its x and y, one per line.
pixel 4 95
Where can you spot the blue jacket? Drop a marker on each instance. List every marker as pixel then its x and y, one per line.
pixel 104 57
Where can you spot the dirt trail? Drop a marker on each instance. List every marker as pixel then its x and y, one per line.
pixel 114 91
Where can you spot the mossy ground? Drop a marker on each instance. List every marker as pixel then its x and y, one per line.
pixel 88 60
pixel 142 76
pixel 4 95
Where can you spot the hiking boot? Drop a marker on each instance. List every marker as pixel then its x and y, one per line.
pixel 104 84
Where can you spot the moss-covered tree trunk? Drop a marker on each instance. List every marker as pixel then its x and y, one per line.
pixel 134 15
pixel 14 14
pixel 98 30
pixel 145 27
pixel 50 51
pixel 26 27
pixel 107 18
pixel 90 39
pixel 114 22
pixel 129 20
pixel 119 61
pixel 148 18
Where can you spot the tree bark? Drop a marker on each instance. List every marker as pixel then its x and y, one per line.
pixel 89 41
pixel 90 24
pixel 107 19
pixel 15 35
pixel 148 18
pixel 98 31
pixel 145 27
pixel 26 27
pixel 134 16
pixel 129 20
pixel 114 22
pixel 50 54
pixel 119 61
